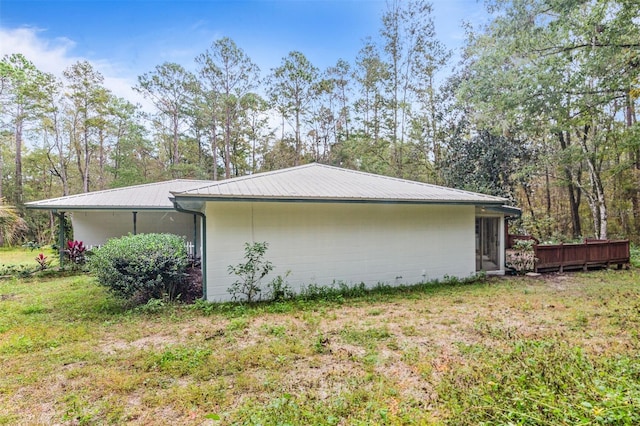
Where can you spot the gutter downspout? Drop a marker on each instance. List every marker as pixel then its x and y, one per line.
pixel 203 226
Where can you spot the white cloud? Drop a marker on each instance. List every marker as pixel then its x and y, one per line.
pixel 55 55
pixel 51 56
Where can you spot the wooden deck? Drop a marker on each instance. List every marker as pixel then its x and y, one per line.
pixel 590 254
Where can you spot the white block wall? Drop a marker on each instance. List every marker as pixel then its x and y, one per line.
pixel 324 242
pixel 96 227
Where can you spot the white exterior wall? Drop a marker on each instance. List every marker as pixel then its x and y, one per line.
pixel 96 227
pixel 320 243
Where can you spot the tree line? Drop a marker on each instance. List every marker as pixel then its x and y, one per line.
pixel 540 109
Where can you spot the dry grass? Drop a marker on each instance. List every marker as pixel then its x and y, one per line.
pixel 71 355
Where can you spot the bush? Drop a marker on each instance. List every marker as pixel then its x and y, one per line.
pixel 142 267
pixel 635 256
pixel 76 253
pixel 521 258
pixel 248 287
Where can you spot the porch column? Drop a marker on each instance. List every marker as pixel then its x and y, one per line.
pixel 195 236
pixel 61 241
pixel 135 223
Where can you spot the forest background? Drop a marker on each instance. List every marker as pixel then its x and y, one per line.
pixel 540 107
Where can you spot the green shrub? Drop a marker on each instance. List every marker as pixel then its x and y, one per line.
pixel 635 256
pixel 248 285
pixel 250 273
pixel 522 257
pixel 142 267
pixel 543 382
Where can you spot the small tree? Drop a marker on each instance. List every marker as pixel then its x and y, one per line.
pixel 250 272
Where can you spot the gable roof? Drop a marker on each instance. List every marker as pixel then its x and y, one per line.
pixel 318 182
pixel 151 196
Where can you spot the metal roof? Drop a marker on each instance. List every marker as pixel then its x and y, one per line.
pixel 318 182
pixel 152 196
pixel 310 183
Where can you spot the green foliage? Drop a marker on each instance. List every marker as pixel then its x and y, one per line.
pixel 67 229
pixel 436 355
pixel 521 257
pixel 543 382
pixel 12 226
pixel 635 255
pixel 75 253
pixel 142 267
pixel 21 271
pixel 31 245
pixel 279 289
pixel 487 163
pixel 20 263
pixel 178 360
pixel 337 291
pixel 291 89
pixel 562 68
pixel 250 273
pixel 43 261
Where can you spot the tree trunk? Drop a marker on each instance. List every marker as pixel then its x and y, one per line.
pixel 548 198
pixel 634 155
pixel 227 141
pixel 63 173
pixel 574 201
pixel 175 157
pixel 101 162
pixel 214 150
pixel 596 199
pixel 87 159
pixel 298 142
pixel 18 177
pixel 532 211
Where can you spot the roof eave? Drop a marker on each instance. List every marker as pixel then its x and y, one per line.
pixel 509 211
pixel 202 197
pixel 94 208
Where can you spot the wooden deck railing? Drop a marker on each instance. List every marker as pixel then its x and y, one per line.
pixel 591 253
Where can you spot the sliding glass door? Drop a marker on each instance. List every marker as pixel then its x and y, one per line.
pixel 487 243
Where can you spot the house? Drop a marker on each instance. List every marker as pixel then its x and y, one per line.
pixel 323 224
pixel 101 215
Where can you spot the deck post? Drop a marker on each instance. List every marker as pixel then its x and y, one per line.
pixel 585 267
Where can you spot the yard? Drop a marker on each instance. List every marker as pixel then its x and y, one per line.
pixel 561 349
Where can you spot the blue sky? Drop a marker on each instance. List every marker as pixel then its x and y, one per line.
pixel 125 38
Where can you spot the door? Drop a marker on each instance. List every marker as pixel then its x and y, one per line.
pixel 487 244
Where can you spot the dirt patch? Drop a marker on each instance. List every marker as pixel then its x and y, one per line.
pixel 150 342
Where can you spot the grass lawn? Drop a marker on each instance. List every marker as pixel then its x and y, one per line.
pixel 562 349
pixel 25 256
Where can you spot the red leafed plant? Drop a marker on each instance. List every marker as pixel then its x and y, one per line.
pixel 76 252
pixel 43 261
